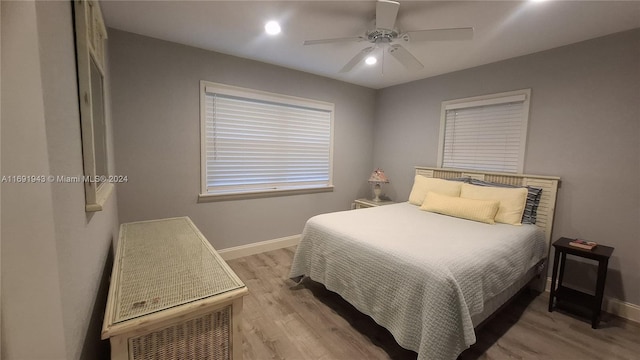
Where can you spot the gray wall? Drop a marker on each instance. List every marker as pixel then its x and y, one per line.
pixel 584 126
pixel 54 254
pixel 29 262
pixel 155 92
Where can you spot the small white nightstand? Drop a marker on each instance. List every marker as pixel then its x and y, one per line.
pixel 366 203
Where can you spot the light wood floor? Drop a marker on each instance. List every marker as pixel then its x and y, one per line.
pixel 309 322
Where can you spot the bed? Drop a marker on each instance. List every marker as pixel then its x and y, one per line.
pixel 428 278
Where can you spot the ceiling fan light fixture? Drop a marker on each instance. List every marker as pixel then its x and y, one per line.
pixel 272 28
pixel 386 36
pixel 371 60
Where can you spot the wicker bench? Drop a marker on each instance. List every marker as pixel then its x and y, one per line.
pixel 171 295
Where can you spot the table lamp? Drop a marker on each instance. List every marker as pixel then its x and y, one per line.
pixel 378 177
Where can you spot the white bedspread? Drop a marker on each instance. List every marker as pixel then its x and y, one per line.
pixel 420 275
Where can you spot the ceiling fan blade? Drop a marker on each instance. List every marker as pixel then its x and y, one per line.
pixel 465 33
pixel 331 41
pixel 386 13
pixel 405 57
pixel 356 59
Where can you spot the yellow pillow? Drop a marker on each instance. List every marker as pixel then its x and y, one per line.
pixel 422 185
pixel 512 200
pixel 477 210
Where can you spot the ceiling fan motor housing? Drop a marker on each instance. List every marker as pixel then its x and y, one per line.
pixel 383 36
pixel 384 33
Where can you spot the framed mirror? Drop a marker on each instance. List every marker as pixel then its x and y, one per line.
pixel 91 35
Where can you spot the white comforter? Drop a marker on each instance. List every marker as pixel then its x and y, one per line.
pixel 420 275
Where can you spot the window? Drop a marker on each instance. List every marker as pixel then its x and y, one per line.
pixel 257 144
pixel 485 132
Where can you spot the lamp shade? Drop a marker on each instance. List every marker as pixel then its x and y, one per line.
pixel 378 177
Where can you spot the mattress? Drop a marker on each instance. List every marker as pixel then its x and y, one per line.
pixel 425 277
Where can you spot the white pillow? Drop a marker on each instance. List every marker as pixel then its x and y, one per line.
pixel 470 209
pixel 512 200
pixel 422 185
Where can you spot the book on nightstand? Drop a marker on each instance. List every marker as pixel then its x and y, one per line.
pixel 586 245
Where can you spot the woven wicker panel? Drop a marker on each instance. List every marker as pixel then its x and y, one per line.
pixel 165 264
pixel 501 179
pixel 204 338
pixel 424 172
pixel 446 174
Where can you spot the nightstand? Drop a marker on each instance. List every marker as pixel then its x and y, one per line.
pixel 366 203
pixel 563 294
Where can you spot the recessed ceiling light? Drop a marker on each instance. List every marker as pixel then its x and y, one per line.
pixel 272 28
pixel 371 60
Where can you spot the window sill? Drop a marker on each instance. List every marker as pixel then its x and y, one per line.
pixel 203 198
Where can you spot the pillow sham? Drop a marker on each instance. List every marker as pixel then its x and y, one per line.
pixel 512 201
pixel 470 209
pixel 533 198
pixel 422 185
pixel 531 208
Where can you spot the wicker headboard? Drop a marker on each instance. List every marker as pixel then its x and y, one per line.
pixel 549 185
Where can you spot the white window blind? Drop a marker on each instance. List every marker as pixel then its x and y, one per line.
pixel 258 142
pixel 485 134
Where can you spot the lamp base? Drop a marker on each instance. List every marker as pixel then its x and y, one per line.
pixel 377 191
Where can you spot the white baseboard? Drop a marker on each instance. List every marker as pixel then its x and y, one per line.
pixel 259 247
pixel 614 306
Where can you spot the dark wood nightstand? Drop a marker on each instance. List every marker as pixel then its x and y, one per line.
pixel 601 254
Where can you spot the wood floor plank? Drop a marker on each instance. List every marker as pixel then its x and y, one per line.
pixel 306 339
pixel 285 321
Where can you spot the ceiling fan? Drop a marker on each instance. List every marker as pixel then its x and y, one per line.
pixel 385 34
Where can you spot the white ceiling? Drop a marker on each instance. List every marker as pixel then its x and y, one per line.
pixel 503 29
